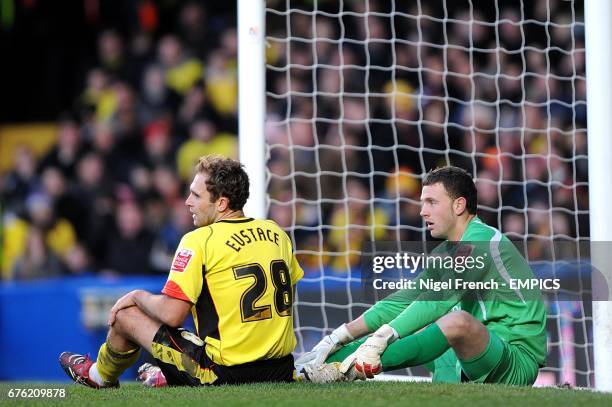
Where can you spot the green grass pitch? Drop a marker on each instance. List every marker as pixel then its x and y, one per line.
pixel 382 394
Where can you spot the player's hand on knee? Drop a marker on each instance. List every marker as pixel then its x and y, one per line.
pixel 366 359
pixel 327 346
pixel 124 302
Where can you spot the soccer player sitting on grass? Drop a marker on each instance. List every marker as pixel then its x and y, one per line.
pixel 497 336
pixel 235 274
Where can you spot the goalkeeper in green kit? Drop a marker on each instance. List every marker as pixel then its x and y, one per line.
pixel 497 336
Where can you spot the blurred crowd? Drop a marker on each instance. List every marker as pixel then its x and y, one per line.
pixel 362 102
pixel 109 196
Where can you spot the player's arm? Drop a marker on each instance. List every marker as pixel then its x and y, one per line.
pixel 380 313
pixel 387 309
pixel 366 359
pixel 430 305
pixel 419 315
pixel 407 311
pixel 162 308
pixel 168 310
pixel 375 317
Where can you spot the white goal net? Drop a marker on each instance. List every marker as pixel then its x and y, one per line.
pixel 365 96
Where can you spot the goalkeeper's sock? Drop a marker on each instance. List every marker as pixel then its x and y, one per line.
pixel 415 350
pixel 111 364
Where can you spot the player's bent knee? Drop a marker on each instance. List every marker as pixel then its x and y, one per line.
pixel 127 316
pixel 458 325
pixel 463 320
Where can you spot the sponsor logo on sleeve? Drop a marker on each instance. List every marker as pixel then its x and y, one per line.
pixel 181 260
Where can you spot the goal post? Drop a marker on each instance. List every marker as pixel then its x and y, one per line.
pixel 252 101
pixel 598 14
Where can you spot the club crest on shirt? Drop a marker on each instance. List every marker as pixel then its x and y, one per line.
pixel 464 250
pixel 181 260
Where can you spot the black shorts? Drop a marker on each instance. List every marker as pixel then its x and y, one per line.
pixel 182 358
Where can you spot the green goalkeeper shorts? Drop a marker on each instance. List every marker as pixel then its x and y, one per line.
pixel 500 362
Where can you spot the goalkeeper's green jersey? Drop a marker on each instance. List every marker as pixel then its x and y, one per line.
pixel 517 316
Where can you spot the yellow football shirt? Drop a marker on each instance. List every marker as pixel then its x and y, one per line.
pixel 239 274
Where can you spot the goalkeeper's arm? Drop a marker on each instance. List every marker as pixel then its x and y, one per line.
pixel 330 344
pixel 386 310
pixel 381 313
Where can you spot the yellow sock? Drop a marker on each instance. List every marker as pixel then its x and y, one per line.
pixel 111 364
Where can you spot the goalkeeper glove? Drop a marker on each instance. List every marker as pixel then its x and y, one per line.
pixel 366 359
pixel 328 345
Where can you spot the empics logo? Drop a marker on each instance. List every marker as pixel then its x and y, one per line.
pixel 181 260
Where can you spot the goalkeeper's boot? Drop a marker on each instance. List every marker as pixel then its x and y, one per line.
pixel 151 376
pixel 77 367
pixel 325 373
